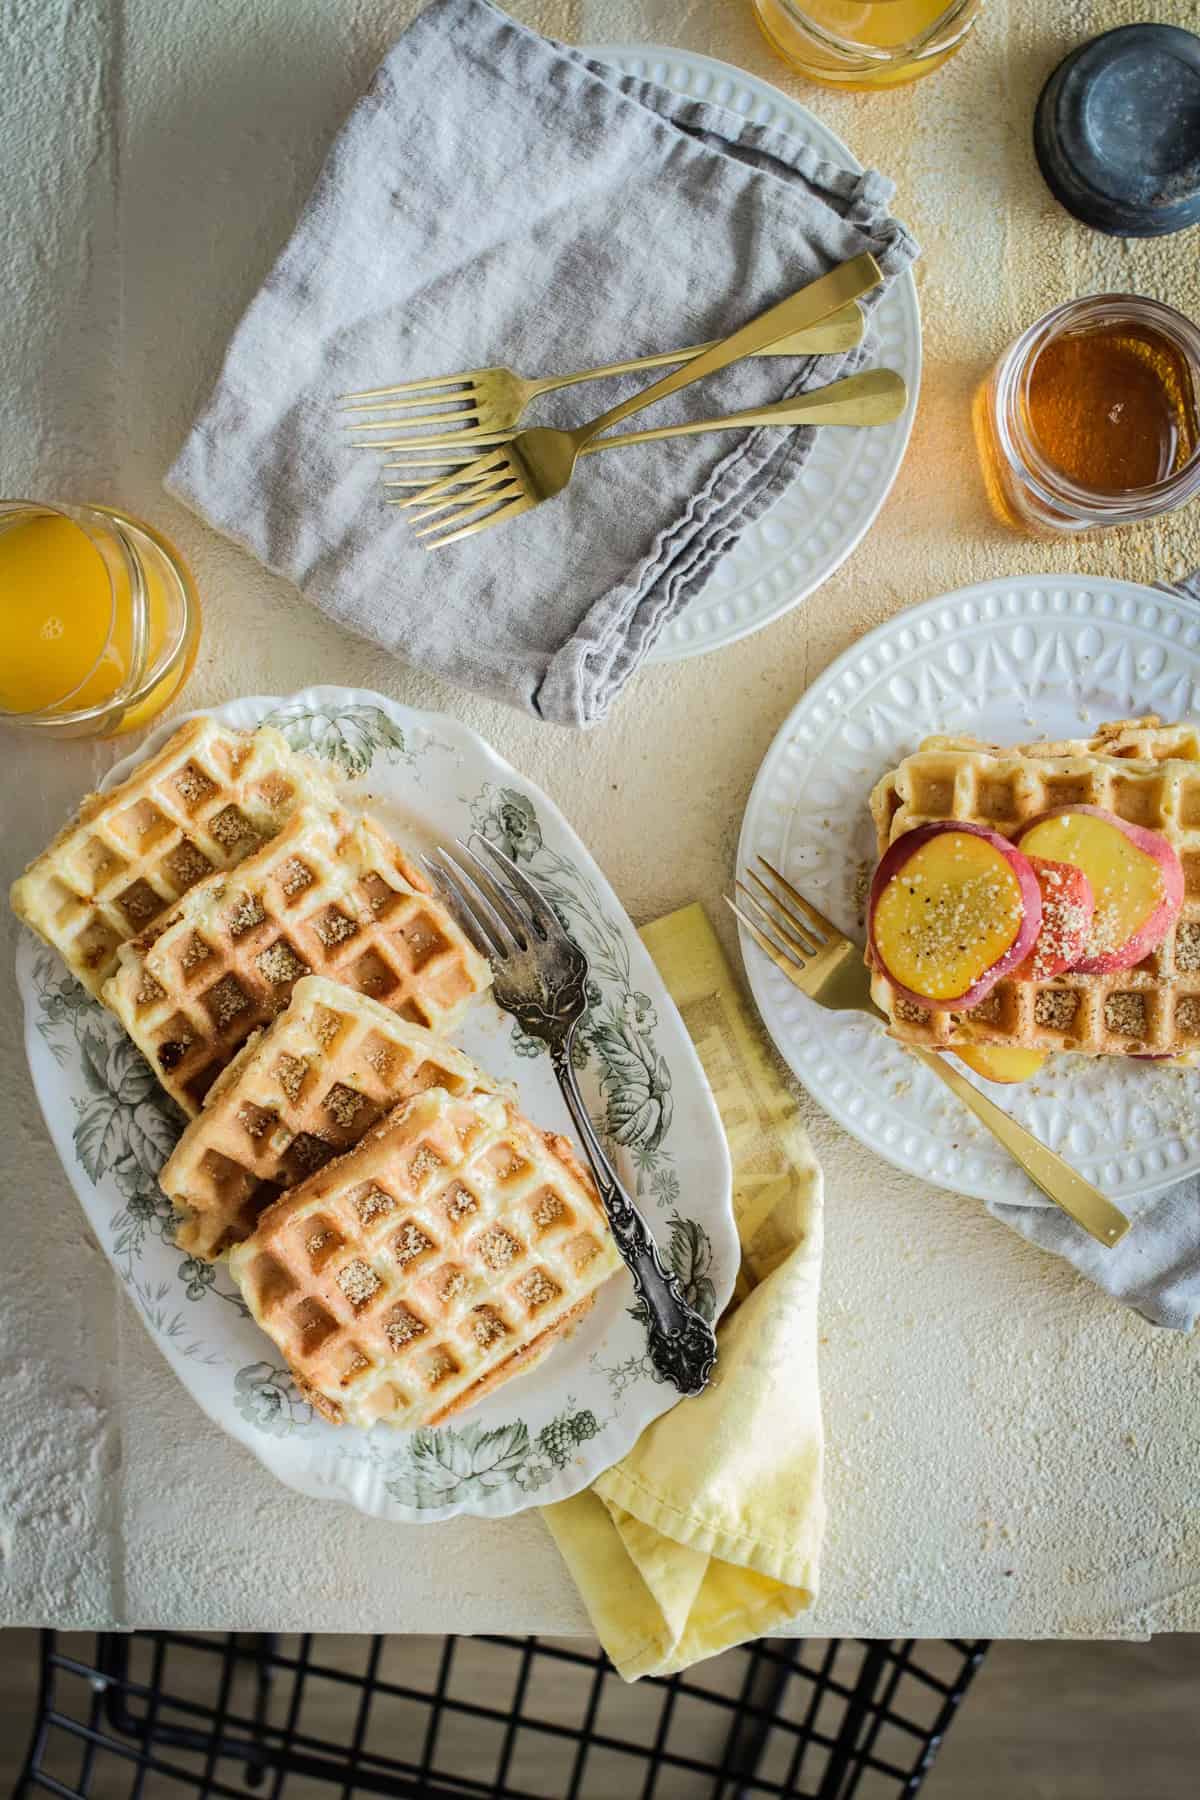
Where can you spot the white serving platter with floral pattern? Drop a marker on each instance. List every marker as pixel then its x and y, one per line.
pixel 1008 661
pixel 546 1434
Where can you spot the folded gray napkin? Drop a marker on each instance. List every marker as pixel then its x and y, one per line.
pixel 498 198
pixel 1156 1266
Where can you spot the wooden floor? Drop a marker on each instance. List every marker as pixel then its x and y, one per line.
pixel 1043 1721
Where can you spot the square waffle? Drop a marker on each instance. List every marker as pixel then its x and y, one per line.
pixel 1138 769
pixel 446 1253
pixel 327 896
pixel 1146 740
pixel 207 799
pixel 296 1095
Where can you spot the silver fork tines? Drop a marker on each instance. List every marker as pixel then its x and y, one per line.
pixel 540 977
pixel 492 936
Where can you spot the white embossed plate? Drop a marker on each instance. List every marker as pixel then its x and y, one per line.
pixel 546 1434
pixel 826 512
pixel 1038 657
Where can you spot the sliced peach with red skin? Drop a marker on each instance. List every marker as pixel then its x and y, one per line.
pixel 954 908
pixel 1068 906
pixel 1001 1062
pixel 1135 876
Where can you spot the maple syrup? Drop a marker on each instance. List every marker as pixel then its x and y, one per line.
pixel 1092 418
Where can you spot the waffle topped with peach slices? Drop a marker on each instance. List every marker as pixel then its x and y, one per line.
pixel 1041 898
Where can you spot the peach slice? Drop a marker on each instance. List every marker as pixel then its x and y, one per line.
pixel 1001 1062
pixel 1135 876
pixel 953 908
pixel 1067 909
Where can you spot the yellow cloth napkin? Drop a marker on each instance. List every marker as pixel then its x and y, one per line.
pixel 709 1532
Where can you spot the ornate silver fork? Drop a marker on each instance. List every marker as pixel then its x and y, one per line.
pixel 540 978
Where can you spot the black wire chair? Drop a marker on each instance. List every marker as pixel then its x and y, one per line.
pixel 163 1713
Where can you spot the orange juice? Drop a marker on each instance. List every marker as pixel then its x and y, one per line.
pixel 55 615
pixel 98 619
pixel 866 43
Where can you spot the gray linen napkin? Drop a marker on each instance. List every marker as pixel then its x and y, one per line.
pixel 1156 1267
pixel 497 198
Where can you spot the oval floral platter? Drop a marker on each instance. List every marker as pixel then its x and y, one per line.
pixel 543 1435
pixel 1040 657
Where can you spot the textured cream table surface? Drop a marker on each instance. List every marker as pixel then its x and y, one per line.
pixel 1010 1453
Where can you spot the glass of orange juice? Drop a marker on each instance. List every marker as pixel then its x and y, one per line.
pixel 99 620
pixel 866 43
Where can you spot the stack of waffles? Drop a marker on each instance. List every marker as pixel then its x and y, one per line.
pixel 1140 770
pixel 207 800
pixel 449 1251
pixel 404 1235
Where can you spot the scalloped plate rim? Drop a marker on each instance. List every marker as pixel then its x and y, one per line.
pixel 769 987
pixel 667 649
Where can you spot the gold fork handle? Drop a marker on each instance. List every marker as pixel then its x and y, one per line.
pixel 873 398
pixel 842 330
pixel 1057 1179
pixel 800 310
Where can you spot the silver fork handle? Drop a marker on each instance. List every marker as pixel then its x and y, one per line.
pixel 682 1345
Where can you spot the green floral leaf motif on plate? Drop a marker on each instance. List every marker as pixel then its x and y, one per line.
pixel 445 1465
pixel 93 1055
pixel 127 1075
pixel 267 1397
pixel 690 1255
pixel 637 1092
pixel 350 737
pixel 152 1134
pixel 99 1137
pixel 509 820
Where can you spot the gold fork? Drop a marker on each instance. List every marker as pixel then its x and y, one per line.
pixel 538 463
pixel 826 966
pixel 482 400
pixel 873 397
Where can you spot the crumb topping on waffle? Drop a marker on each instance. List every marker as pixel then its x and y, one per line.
pixel 1141 771
pixel 301 1091
pixel 1064 917
pixel 227 958
pixel 401 1311
pixel 203 802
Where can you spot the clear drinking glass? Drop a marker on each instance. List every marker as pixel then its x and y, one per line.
pixel 99 619
pixel 869 44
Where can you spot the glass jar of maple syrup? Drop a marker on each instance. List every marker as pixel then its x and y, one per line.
pixel 1092 417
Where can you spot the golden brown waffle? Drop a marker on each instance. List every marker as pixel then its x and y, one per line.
pixel 326 896
pixel 1145 739
pixel 296 1095
pixel 446 1253
pixel 207 799
pixel 1149 775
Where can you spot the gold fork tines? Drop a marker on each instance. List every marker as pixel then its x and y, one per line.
pixel 872 397
pixel 495 399
pixel 825 965
pixel 833 968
